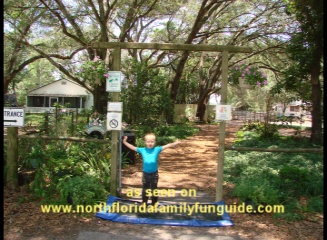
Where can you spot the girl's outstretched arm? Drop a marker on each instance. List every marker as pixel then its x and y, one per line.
pixel 169 145
pixel 130 146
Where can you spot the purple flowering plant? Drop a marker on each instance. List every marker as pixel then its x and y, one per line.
pixel 251 74
pixel 94 71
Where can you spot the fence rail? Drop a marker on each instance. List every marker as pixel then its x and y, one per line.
pixel 233 148
pixel 73 139
pixel 286 150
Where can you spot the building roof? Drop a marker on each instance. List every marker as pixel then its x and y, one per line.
pixel 61 88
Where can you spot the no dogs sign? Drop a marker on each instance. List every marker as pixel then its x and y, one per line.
pixel 114 120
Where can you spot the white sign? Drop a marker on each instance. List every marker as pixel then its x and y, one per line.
pixel 113 82
pixel 224 112
pixel 13 117
pixel 114 120
pixel 115 107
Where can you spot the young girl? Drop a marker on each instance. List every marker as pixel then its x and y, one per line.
pixel 150 155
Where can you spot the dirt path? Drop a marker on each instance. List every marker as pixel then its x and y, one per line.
pixel 191 165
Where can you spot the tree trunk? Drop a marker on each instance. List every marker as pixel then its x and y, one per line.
pixel 203 100
pixel 100 99
pixel 316 129
pixel 6 83
pixel 201 110
pixel 206 10
pixel 175 83
pixel 12 158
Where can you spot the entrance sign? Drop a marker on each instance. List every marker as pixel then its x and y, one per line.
pixel 115 107
pixel 113 81
pixel 223 112
pixel 114 120
pixel 13 117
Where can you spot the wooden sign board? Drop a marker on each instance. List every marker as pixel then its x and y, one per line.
pixel 13 117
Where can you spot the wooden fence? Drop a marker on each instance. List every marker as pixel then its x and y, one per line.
pixel 183 112
pixel 12 139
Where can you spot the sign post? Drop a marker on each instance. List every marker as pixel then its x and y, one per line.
pixel 222 130
pixel 114 123
pixel 13 117
pixel 113 84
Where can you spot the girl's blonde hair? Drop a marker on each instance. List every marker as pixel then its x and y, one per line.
pixel 150 135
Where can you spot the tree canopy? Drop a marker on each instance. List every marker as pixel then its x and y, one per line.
pixel 61 32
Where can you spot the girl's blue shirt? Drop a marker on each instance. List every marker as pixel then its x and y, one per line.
pixel 150 158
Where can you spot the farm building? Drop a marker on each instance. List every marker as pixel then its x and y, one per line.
pixel 64 92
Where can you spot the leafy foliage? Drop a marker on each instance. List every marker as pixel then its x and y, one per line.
pixel 165 133
pixel 93 71
pixel 145 97
pixel 264 130
pixel 62 162
pixel 260 191
pixel 60 166
pixel 305 50
pixel 251 74
pixel 82 190
pixel 276 178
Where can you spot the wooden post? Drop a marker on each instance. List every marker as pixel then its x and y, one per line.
pixel 76 115
pixel 115 133
pixel 46 129
pixel 12 158
pixel 222 129
pixel 72 130
pixel 46 123
pixel 104 146
pixel 56 122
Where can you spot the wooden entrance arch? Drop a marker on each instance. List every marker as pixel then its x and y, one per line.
pixel 117 46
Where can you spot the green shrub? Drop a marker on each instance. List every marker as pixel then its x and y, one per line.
pixel 315 204
pixel 259 190
pixel 290 216
pixel 99 166
pixel 32 154
pixel 182 131
pixel 268 130
pixel 295 180
pixel 164 133
pixel 165 140
pixel 263 130
pixel 82 190
pixel 161 130
pixel 62 161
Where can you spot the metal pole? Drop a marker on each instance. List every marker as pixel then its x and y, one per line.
pixel 222 127
pixel 120 162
